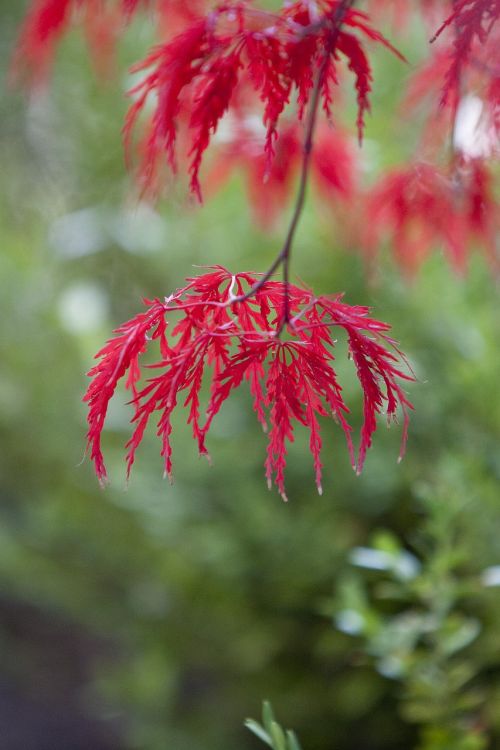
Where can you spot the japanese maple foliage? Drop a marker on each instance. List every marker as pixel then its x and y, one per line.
pixel 472 21
pixel 237 52
pixel 419 206
pixel 238 59
pixel 464 62
pixel 270 188
pixel 399 12
pixel 241 63
pixel 212 337
pixel 48 20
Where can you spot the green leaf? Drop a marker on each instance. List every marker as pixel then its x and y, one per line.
pixel 259 731
pixel 278 736
pixel 457 633
pixel 386 541
pixel 293 743
pixel 267 716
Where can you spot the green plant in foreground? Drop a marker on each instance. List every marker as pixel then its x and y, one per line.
pixel 419 617
pixel 271 732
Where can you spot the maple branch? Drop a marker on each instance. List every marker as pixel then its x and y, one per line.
pixel 283 257
pixel 458 97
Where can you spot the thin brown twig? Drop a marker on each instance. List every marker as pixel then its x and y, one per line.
pixel 283 257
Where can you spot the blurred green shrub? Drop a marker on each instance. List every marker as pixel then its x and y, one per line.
pixel 422 618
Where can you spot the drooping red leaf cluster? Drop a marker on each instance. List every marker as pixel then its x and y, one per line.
pixel 419 206
pixel 453 206
pixel 236 55
pixel 270 188
pixel 48 20
pixel 471 22
pixel 464 67
pixel 237 62
pixel 212 338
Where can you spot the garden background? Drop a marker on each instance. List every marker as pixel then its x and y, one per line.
pixel 156 616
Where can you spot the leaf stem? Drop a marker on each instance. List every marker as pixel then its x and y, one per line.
pixel 283 257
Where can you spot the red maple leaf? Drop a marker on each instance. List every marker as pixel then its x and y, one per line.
pixel 236 53
pixel 420 208
pixel 472 22
pixel 400 12
pixel 210 333
pixel 48 20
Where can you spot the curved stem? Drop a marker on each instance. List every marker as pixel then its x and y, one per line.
pixel 283 257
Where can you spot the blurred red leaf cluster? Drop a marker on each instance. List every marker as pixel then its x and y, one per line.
pixel 234 56
pixel 255 70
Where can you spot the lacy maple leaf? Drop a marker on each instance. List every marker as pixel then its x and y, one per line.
pixel 400 12
pixel 48 20
pixel 212 337
pixel 472 21
pixel 236 54
pixel 420 208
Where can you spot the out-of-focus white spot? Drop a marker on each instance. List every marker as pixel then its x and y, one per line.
pixel 403 564
pixel 491 576
pixel 391 667
pixel 226 129
pixel 406 566
pixel 470 343
pixel 77 234
pixel 83 307
pixel 369 157
pixel 131 87
pixel 255 125
pixel 47 138
pixel 374 559
pixel 229 127
pixel 349 621
pixel 136 230
pixel 473 134
pixel 139 230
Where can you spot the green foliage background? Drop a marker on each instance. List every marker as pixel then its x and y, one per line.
pixel 159 617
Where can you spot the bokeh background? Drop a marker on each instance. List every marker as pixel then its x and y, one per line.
pixel 155 616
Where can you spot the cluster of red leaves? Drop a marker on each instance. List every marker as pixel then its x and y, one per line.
pixel 270 188
pixel 399 12
pixel 48 20
pixel 419 206
pixel 236 54
pixel 210 335
pixel 472 22
pixel 462 65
